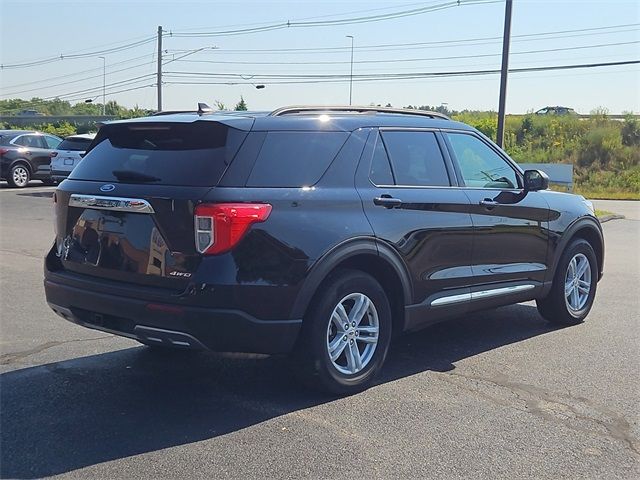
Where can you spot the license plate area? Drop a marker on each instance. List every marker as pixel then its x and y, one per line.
pixel 112 241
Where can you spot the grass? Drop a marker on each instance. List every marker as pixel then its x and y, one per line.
pixel 603 213
pixel 607 194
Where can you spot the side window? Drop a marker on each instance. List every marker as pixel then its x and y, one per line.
pixel 31 141
pixel 416 158
pixel 481 166
pixel 23 141
pixel 52 142
pixel 380 173
pixel 295 159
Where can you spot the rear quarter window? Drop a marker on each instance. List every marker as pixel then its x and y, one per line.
pixel 295 159
pixel 184 154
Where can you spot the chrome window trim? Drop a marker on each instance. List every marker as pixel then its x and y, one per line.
pixel 116 204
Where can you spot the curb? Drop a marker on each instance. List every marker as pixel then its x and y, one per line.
pixel 615 216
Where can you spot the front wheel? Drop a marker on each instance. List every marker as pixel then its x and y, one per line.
pixel 574 286
pixel 345 335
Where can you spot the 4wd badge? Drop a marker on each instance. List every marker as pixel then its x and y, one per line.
pixel 180 274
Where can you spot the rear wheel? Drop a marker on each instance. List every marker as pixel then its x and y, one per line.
pixel 49 182
pixel 574 286
pixel 19 176
pixel 345 335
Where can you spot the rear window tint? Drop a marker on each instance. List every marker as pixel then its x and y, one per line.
pixel 75 144
pixel 189 154
pixel 295 159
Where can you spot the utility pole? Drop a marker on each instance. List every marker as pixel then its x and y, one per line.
pixel 503 75
pixel 104 84
pixel 351 74
pixel 159 68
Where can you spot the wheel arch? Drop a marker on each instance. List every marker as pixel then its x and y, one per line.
pixel 367 255
pixel 588 229
pixel 21 161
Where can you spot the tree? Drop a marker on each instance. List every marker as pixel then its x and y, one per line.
pixel 241 105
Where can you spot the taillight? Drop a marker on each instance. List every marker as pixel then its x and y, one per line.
pixel 53 154
pixel 220 226
pixel 3 151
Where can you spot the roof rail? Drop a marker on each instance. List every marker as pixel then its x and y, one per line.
pixel 348 108
pixel 171 112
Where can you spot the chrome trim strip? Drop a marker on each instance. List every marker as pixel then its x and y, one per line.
pixel 463 297
pixel 500 291
pixel 116 204
pixel 494 292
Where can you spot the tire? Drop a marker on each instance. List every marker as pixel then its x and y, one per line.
pixel 19 176
pixel 570 300
pixel 49 182
pixel 361 298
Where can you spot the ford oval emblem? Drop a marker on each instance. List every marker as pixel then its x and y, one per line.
pixel 109 187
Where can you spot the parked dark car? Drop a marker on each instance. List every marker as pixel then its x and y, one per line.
pixel 26 155
pixel 558 110
pixel 319 232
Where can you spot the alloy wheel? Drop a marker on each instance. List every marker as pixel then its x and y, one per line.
pixel 577 283
pixel 352 333
pixel 20 176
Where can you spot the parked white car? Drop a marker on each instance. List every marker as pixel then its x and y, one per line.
pixel 68 154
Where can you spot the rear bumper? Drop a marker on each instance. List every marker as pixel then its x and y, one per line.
pixel 59 175
pixel 168 324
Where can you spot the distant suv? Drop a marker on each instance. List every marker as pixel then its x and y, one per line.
pixel 26 155
pixel 318 232
pixel 68 154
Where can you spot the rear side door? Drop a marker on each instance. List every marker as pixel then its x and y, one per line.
pixel 405 180
pixel 36 152
pixel 510 225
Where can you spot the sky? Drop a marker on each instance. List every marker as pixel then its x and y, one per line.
pixel 231 61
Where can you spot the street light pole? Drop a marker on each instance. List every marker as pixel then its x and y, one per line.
pixel 351 74
pixel 104 83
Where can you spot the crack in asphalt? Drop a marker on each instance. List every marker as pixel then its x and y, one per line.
pixel 39 256
pixel 577 413
pixel 9 358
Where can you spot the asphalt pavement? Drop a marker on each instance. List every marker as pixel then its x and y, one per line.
pixel 495 395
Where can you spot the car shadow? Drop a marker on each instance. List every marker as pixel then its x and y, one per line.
pixel 63 416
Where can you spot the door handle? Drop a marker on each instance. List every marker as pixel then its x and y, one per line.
pixel 387 201
pixel 487 202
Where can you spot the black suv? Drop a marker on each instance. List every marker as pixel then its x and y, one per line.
pixel 318 232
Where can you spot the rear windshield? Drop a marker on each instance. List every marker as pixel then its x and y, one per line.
pixel 295 159
pixel 75 144
pixel 189 154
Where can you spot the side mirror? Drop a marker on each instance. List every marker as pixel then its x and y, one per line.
pixel 535 180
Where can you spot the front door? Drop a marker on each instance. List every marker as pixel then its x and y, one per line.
pixel 510 225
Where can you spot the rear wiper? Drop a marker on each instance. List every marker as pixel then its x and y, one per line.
pixel 133 176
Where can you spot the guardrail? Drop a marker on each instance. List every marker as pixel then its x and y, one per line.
pixel 560 173
pixel 22 120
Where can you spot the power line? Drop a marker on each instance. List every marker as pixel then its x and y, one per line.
pixel 87 91
pixel 441 43
pixel 456 57
pixel 67 75
pixel 190 52
pixel 309 18
pixel 333 78
pixel 327 23
pixel 45 61
pixel 78 80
